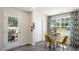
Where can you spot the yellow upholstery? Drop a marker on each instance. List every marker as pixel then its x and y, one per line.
pixel 62 40
pixel 45 33
pixel 59 40
pixel 47 39
pixel 65 40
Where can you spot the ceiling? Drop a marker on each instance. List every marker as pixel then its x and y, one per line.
pixel 47 10
pixel 56 10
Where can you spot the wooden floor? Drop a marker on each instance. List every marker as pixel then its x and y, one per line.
pixel 40 47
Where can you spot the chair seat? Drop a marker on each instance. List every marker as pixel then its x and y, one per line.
pixel 59 40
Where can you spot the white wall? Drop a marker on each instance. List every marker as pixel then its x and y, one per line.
pixel 24 18
pixel 26 35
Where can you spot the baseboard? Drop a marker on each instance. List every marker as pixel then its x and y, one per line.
pixel 39 42
pixel 36 42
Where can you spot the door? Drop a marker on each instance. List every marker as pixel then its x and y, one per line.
pixel 11 32
pixel 38 30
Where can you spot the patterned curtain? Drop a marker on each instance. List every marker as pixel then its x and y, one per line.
pixel 75 29
pixel 48 25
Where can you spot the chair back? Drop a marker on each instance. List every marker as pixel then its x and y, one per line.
pixel 65 40
pixel 47 38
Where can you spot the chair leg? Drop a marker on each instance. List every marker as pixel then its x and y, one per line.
pixel 67 48
pixel 50 46
pixel 63 48
pixel 45 43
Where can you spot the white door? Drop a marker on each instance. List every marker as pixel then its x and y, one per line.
pixel 11 32
pixel 38 30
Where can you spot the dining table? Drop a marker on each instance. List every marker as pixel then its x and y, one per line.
pixel 55 37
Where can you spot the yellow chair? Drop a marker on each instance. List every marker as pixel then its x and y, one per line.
pixel 48 40
pixel 62 41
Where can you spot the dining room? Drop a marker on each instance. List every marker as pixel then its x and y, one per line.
pixel 62 31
